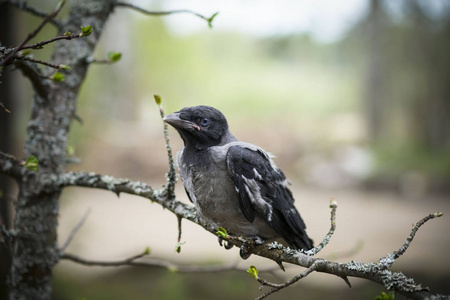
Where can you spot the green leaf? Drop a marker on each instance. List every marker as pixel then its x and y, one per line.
pixel 65 67
pixel 58 77
pixel 114 56
pixel 222 233
pixel 24 52
pixel 70 151
pixel 67 33
pixel 253 272
pixel 85 31
pixel 32 163
pixel 384 296
pixel 157 99
pixel 211 19
pixel 147 251
pixel 178 246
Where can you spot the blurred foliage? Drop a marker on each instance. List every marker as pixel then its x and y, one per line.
pixel 292 83
pixel 156 283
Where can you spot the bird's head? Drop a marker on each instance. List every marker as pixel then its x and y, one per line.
pixel 200 126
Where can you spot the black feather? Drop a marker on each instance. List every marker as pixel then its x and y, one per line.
pixel 246 164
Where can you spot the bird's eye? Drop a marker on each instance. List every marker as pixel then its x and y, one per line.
pixel 204 122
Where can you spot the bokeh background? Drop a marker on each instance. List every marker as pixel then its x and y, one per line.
pixel 352 97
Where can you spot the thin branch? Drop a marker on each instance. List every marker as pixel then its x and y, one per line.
pixel 277 287
pixel 155 262
pixel 11 166
pixel 75 230
pixel 22 5
pixel 164 13
pixel 33 34
pixel 33 73
pixel 4 108
pixel 38 61
pixel 171 176
pixel 326 239
pixel 39 45
pixel 389 260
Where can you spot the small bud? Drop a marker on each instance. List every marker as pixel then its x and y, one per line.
pixel 211 19
pixel 67 33
pixel 70 151
pixel 222 233
pixel 147 251
pixel 253 272
pixel 333 203
pixel 114 56
pixel 65 67
pixel 85 31
pixel 32 163
pixel 178 246
pixel 438 214
pixel 157 99
pixel 58 77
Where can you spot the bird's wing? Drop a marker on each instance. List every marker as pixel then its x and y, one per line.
pixel 263 192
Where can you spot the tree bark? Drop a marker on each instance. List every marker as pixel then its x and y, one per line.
pixel 34 246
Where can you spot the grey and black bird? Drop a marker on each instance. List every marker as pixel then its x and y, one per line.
pixel 233 184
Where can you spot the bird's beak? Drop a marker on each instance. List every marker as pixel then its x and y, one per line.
pixel 178 123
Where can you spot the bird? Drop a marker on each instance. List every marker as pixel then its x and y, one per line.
pixel 233 184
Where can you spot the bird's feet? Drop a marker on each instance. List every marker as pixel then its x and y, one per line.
pixel 246 248
pixel 223 242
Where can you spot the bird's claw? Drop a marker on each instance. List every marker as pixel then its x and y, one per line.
pixel 226 244
pixel 245 250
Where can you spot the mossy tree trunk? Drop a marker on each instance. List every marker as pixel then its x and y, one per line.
pixel 34 244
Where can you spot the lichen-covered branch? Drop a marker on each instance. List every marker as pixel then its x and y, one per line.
pixel 389 260
pixel 373 271
pixel 326 239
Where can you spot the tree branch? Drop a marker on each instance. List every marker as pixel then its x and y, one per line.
pixel 11 166
pixel 373 271
pixel 75 231
pixel 164 13
pixel 32 34
pixel 38 61
pixel 156 262
pixel 22 5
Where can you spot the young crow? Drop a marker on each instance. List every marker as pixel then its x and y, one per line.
pixel 234 185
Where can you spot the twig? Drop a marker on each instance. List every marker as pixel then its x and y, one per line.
pixel 57 38
pixel 11 166
pixel 171 176
pixel 164 13
pixel 155 262
pixel 38 61
pixel 389 260
pixel 179 219
pixel 4 108
pixel 125 262
pixel 326 239
pixel 75 230
pixel 33 34
pixel 22 5
pixel 276 287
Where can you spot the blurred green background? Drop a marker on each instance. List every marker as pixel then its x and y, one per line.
pixel 352 98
